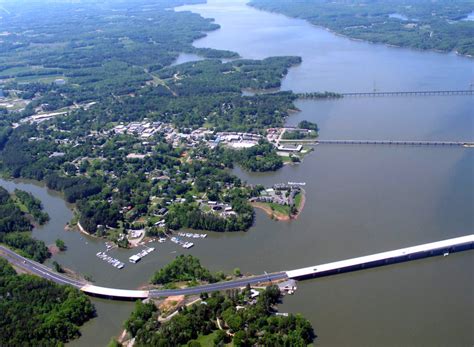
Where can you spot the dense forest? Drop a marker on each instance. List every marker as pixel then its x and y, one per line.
pixel 184 268
pixel 32 205
pixel 38 312
pixel 15 227
pixel 251 324
pixel 421 24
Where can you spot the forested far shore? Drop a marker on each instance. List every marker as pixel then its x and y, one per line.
pixel 419 24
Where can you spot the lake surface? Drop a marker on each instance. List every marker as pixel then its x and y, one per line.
pixel 360 199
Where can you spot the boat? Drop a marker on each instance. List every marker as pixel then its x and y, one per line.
pixel 120 266
pixel 134 258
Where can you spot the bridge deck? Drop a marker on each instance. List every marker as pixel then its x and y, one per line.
pixel 395 142
pixel 379 257
pixel 115 293
pixel 451 245
pixel 413 93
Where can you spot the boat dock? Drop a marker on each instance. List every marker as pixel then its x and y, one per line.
pixel 137 257
pixel 112 261
pixel 193 235
pixel 183 244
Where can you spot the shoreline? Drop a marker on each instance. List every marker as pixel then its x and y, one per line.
pixel 332 31
pixel 279 216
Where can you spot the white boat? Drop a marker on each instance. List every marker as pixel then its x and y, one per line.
pixel 120 266
pixel 134 258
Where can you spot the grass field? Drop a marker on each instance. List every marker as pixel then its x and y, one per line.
pixel 208 340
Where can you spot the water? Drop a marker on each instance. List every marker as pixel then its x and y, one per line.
pixel 398 16
pixel 470 17
pixel 360 199
pixel 186 58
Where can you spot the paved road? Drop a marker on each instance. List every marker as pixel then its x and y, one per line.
pixel 38 269
pixel 47 273
pixel 221 285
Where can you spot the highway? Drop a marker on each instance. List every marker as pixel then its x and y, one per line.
pixel 221 285
pixel 43 271
pixel 33 267
pixel 444 247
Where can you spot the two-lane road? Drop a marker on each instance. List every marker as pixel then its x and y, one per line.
pixel 43 271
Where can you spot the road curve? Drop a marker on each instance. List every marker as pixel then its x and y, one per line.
pixel 47 273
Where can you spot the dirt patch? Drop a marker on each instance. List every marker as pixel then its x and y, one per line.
pixel 273 214
pixel 171 302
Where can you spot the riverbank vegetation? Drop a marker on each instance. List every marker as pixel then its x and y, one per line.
pixel 38 312
pixel 420 24
pixel 32 206
pixel 15 229
pixel 232 318
pixel 185 268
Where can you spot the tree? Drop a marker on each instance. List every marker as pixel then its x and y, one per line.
pixel 57 267
pixel 61 245
pixel 237 272
pixel 220 338
pixel 240 339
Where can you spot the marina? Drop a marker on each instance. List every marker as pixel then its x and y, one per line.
pixel 183 244
pixel 137 257
pixel 110 260
pixel 193 235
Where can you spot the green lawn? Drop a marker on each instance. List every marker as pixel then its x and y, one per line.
pixel 280 208
pixel 298 199
pixel 208 340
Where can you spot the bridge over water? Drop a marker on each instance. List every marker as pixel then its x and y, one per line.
pixel 412 93
pixel 395 142
pixel 374 260
pixel 333 95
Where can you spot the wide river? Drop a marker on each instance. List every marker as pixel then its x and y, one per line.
pixel 360 199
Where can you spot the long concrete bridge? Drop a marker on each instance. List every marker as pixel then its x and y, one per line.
pixel 333 95
pixel 412 93
pixel 395 142
pixel 380 259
